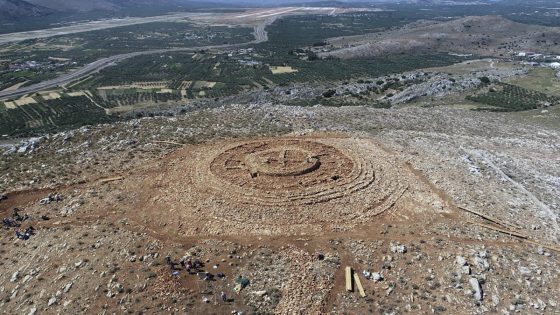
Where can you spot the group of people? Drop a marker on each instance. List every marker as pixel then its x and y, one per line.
pixel 16 219
pixel 186 264
pixel 51 198
pixel 26 234
pixel 194 267
pixel 15 222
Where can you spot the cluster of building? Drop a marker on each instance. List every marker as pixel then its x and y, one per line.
pixel 537 59
pixel 240 52
pixel 36 65
pixel 249 62
pixel 244 56
pixel 195 36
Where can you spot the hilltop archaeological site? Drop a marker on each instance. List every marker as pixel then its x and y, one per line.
pixel 420 204
pixel 186 157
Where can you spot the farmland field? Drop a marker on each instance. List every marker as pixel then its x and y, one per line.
pixel 542 79
pixel 60 54
pixel 507 97
pixel 50 115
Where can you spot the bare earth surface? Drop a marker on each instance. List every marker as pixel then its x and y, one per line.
pixel 286 197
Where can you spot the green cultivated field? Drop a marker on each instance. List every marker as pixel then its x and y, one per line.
pixel 50 116
pixel 507 97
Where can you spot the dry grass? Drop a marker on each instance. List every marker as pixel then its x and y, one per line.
pixel 25 101
pixel 50 95
pixel 204 85
pixel 79 93
pixel 15 86
pixel 282 69
pixel 542 79
pixel 10 105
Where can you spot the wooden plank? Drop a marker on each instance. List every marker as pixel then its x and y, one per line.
pixel 489 218
pixel 112 179
pixel 359 285
pixel 505 231
pixel 515 234
pixel 349 278
pixel 168 142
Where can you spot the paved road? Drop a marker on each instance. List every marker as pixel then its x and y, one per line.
pixel 90 26
pixel 259 33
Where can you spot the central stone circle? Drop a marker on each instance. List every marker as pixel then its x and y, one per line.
pixel 285 161
pixel 280 168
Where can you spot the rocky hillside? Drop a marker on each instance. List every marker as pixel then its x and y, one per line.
pixel 481 35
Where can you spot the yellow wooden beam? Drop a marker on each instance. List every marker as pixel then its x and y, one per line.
pixel 349 278
pixel 359 285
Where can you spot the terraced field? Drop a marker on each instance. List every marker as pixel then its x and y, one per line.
pixel 50 115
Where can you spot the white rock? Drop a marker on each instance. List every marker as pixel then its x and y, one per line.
pixel 376 276
pixel 481 262
pixel 461 261
pixel 26 278
pixel 51 301
pixel 259 293
pixel 32 311
pixel 398 248
pixel 525 271
pixel 475 285
pixel 15 276
pixel 366 274
pixel 67 287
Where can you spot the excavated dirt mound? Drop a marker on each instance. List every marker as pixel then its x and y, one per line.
pixel 272 186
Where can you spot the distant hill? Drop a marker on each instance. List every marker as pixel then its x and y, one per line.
pixel 479 35
pixel 13 9
pixel 16 9
pixel 74 5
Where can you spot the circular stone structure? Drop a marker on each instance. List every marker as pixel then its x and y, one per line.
pixel 282 172
pixel 276 185
pixel 278 162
